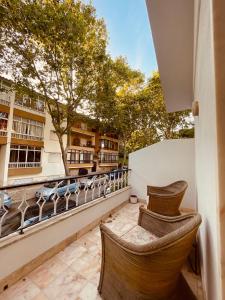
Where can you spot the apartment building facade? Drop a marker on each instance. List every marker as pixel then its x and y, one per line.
pixel 29 147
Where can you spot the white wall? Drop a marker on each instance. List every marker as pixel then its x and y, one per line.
pixel 163 163
pixel 52 164
pixel 206 149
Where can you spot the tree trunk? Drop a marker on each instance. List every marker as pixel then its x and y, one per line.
pixel 124 153
pixel 64 155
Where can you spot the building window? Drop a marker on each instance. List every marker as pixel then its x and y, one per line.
pixel 110 145
pixel 108 158
pixel 3 121
pixel 79 157
pixel 83 126
pixel 27 129
pixel 4 94
pixel 26 101
pixel 24 156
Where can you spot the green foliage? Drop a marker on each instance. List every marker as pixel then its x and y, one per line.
pixel 187 133
pixel 137 111
pixel 56 48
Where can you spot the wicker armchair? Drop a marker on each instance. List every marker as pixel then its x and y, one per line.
pixel 149 271
pixel 166 200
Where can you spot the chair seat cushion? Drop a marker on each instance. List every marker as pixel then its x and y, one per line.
pixel 138 236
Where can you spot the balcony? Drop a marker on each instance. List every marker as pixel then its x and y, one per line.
pixel 73 273
pixel 87 147
pixel 3 133
pixel 26 137
pixel 4 101
pixel 16 165
pixel 30 104
pixel 83 131
pixel 66 245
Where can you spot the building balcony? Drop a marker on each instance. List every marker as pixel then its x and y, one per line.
pixel 16 165
pixel 3 133
pixel 27 137
pixel 108 150
pixel 63 228
pixel 33 106
pixel 4 101
pixel 86 147
pixel 66 263
pixel 84 132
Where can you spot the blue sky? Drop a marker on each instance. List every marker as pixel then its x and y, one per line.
pixel 129 32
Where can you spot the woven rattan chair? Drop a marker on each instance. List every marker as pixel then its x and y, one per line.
pixel 166 200
pixel 149 271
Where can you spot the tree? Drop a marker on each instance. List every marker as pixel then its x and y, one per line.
pixel 155 113
pixel 116 104
pixel 56 48
pixel 137 111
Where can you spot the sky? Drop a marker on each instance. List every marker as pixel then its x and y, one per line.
pixel 129 32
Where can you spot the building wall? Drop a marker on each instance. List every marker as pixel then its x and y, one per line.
pixel 206 148
pixel 51 160
pixel 161 164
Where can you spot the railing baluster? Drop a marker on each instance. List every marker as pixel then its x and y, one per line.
pixel 42 209
pixel 77 193
pixel 41 202
pixel 4 212
pixel 67 195
pixel 23 207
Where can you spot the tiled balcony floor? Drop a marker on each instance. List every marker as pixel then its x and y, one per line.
pixel 74 273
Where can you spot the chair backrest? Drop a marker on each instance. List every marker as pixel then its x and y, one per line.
pixel 166 200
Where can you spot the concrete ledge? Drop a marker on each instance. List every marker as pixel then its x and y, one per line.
pixel 20 254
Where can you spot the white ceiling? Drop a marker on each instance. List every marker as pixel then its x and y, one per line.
pixel 172 24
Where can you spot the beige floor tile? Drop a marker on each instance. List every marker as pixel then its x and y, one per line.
pixel 73 274
pixel 89 292
pixel 24 289
pixel 87 266
pixel 71 253
pixel 65 286
pixel 41 276
pixel 95 278
pixel 40 296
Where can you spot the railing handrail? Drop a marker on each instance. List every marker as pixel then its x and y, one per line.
pixel 8 187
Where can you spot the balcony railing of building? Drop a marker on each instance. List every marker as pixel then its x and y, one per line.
pixel 4 101
pixel 27 137
pixel 109 148
pixel 80 161
pixel 83 145
pixel 37 105
pixel 108 161
pixel 3 132
pixel 14 165
pixel 24 205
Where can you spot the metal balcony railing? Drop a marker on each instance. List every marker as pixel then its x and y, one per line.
pixel 32 105
pixel 3 132
pixel 25 205
pixel 108 161
pixel 27 137
pixel 16 165
pixel 4 102
pixel 80 161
